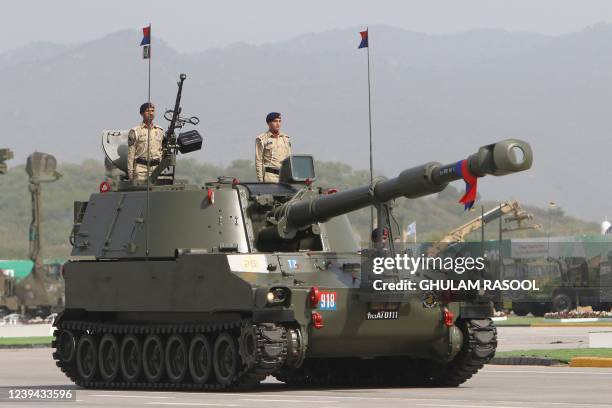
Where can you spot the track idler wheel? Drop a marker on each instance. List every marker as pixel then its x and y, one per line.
pixel 226 360
pixel 130 358
pixel 176 358
pixel 87 358
pixel 108 358
pixel 66 346
pixel 200 359
pixel 153 358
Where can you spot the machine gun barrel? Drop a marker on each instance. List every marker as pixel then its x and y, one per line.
pixel 177 108
pixel 498 159
pixel 169 157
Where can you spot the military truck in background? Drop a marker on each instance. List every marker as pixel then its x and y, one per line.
pixel 5 154
pixel 570 272
pixel 41 292
pixel 8 300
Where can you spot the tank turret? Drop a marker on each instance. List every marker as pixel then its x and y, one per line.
pixel 498 159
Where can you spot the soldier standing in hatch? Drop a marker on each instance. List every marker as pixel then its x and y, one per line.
pixel 137 144
pixel 271 148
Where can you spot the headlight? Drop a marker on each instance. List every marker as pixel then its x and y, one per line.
pixel 277 295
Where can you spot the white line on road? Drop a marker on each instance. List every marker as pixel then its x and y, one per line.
pixel 126 396
pixel 288 400
pixel 193 404
pixel 468 406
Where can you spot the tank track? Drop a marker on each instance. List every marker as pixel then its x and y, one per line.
pixel 270 352
pixel 481 336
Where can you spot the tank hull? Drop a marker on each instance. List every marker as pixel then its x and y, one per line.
pixel 199 289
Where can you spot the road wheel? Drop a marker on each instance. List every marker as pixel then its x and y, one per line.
pixel 176 358
pixel 108 358
pixel 130 357
pixel 247 346
pixel 153 358
pixel 561 303
pixel 66 346
pixel 200 359
pixel 539 310
pixel 520 309
pixel 225 359
pixel 87 358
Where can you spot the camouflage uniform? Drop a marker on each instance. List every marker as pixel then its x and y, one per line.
pixel 137 151
pixel 270 151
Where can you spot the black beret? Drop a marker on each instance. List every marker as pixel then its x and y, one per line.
pixel 145 106
pixel 271 116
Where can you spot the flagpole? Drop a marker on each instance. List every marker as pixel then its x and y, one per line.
pixel 370 127
pixel 148 150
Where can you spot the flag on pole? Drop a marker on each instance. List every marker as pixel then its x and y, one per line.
pixel 411 230
pixel 146 42
pixel 364 44
pixel 364 39
pixel 146 35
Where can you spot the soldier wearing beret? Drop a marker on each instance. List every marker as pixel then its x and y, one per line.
pixel 271 148
pixel 138 138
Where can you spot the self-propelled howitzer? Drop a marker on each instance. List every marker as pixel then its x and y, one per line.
pixel 244 280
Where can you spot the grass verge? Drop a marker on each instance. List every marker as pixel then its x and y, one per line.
pixel 18 341
pixel 563 355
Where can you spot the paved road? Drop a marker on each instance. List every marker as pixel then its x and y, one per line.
pixel 525 338
pixel 494 386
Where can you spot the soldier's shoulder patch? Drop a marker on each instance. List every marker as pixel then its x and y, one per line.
pixel 131 137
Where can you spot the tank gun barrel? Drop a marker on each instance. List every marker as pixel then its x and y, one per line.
pixel 498 159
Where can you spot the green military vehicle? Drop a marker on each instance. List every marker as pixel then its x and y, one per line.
pixel 8 300
pixel 5 154
pixel 178 286
pixel 570 271
pixel 40 292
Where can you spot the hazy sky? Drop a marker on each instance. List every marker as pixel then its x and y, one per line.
pixel 197 25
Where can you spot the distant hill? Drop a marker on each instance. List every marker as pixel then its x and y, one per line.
pixel 435 97
pixel 434 215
